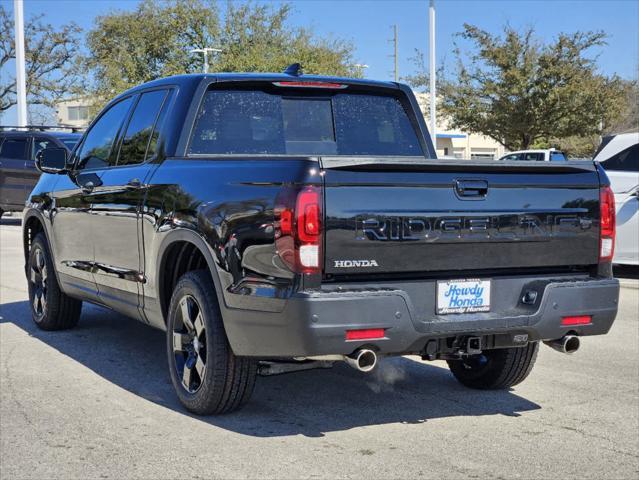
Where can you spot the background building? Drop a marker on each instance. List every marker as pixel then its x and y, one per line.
pixel 458 144
pixel 73 112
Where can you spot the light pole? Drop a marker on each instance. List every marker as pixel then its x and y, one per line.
pixel 205 51
pixel 433 87
pixel 21 87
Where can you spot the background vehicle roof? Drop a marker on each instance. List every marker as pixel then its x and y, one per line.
pixel 39 133
pixel 613 144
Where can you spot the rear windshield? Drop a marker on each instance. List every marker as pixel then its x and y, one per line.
pixel 260 122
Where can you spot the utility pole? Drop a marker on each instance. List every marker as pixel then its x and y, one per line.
pixel 205 51
pixel 433 87
pixel 21 86
pixel 394 55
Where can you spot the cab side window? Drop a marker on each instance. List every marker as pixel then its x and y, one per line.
pixel 14 148
pixel 626 160
pixel 139 131
pixel 534 156
pixel 97 149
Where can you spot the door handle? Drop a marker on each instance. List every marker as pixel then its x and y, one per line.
pixel 88 187
pixel 471 189
pixel 134 183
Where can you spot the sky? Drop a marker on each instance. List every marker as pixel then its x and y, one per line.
pixel 368 25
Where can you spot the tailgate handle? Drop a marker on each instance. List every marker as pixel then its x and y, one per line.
pixel 471 189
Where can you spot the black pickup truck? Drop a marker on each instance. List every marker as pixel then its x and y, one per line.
pixel 273 221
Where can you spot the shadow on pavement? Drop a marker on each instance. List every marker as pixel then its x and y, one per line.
pixel 311 403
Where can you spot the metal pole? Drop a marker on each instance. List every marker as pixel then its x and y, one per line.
pixel 206 60
pixel 433 90
pixel 395 54
pixel 21 87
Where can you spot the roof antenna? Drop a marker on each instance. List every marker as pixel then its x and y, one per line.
pixel 294 69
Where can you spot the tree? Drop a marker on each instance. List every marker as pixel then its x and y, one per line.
pixel 50 57
pixel 522 93
pixel 154 40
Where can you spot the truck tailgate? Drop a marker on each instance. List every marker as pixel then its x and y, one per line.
pixel 406 216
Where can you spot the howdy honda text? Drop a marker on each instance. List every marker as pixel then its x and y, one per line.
pixel 508 228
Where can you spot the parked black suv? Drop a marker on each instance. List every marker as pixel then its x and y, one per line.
pixel 277 220
pixel 18 149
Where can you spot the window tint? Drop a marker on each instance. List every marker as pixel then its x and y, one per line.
pixel 557 157
pixel 70 143
pixel 308 126
pixel 373 125
pixel 626 160
pixel 96 149
pixel 257 122
pixel 40 144
pixel 15 148
pixel 138 133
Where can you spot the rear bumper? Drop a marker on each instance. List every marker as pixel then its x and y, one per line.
pixel 314 323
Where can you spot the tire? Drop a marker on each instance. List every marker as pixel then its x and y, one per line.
pixel 496 369
pixel 51 309
pixel 208 378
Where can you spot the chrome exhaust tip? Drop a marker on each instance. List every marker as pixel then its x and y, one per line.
pixel 567 344
pixel 363 360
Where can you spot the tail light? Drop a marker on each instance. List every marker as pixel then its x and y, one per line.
pixel 606 225
pixel 299 232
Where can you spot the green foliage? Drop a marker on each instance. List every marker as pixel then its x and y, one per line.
pixel 522 93
pixel 52 70
pixel 154 40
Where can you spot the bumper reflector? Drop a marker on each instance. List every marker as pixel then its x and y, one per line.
pixel 367 334
pixel 576 320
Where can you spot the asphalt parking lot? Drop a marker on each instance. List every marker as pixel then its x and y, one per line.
pixel 96 402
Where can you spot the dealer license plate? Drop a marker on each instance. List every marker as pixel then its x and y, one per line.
pixel 463 296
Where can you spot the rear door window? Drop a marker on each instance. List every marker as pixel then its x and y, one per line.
pixel 557 157
pixel 626 160
pixel 534 156
pixel 15 148
pixel 260 122
pixel 40 144
pixel 139 130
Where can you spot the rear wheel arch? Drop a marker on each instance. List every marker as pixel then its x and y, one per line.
pixel 181 252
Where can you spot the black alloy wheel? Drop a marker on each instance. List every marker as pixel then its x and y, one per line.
pixel 38 278
pixel 207 376
pixel 51 308
pixel 189 344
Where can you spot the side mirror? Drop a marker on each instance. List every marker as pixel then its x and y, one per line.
pixel 52 160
